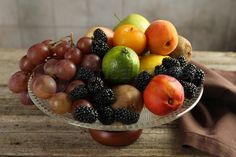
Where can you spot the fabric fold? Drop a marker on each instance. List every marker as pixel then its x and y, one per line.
pixel 211 125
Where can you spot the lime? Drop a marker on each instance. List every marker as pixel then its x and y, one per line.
pixel 120 65
pixel 150 61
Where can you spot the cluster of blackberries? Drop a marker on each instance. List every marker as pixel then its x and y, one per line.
pixel 99 43
pixel 105 114
pixel 142 80
pixel 102 98
pixel 187 74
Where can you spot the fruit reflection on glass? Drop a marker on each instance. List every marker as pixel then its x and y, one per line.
pixel 110 75
pixel 60 103
pixel 44 86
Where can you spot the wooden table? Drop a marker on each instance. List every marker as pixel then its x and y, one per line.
pixel 26 131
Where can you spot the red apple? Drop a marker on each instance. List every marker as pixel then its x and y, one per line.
pixel 163 95
pixel 109 32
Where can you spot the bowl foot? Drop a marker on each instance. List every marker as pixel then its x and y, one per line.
pixel 115 138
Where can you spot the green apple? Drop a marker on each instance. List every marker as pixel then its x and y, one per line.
pixel 135 19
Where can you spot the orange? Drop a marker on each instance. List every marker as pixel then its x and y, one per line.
pixel 130 36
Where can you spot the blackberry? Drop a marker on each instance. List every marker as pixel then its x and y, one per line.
pixel 174 72
pixel 78 92
pixel 85 114
pixel 189 89
pixel 188 73
pixel 199 77
pixel 99 47
pixel 106 115
pixel 126 116
pixel 182 61
pixel 142 80
pixel 105 97
pixel 160 69
pixel 95 84
pixel 98 34
pixel 170 62
pixel 84 74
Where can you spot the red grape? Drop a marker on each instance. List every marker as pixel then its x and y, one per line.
pixel 38 71
pixel 38 53
pixel 18 82
pixel 49 67
pixel 65 69
pixel 25 64
pixel 47 42
pixel 61 48
pixel 61 85
pixel 44 86
pixel 91 61
pixel 85 44
pixel 73 84
pixel 74 54
pixel 25 99
pixel 80 102
pixel 60 103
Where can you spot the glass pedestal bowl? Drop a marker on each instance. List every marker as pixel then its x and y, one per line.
pixel 117 133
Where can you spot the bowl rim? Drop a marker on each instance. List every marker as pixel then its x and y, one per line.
pixel 188 105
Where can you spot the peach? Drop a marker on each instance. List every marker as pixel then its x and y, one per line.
pixel 163 95
pixel 162 37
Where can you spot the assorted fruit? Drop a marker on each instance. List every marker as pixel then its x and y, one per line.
pixel 110 75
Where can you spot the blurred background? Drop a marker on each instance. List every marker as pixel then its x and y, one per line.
pixel 208 24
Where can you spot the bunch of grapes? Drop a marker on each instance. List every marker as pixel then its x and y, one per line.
pixel 53 66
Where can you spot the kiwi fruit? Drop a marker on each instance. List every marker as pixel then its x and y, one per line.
pixel 184 48
pixel 128 97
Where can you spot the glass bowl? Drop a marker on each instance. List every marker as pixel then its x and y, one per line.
pixel 146 120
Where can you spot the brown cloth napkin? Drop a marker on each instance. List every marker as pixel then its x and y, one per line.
pixel 211 125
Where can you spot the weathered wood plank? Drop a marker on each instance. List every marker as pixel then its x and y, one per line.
pixel 80 143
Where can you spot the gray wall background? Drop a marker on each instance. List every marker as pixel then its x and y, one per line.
pixel 208 24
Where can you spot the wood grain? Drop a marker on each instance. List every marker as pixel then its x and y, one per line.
pixel 26 131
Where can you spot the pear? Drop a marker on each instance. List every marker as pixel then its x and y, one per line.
pixel 135 19
pixel 128 97
pixel 183 48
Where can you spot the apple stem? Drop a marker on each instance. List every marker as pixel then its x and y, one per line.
pixel 117 17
